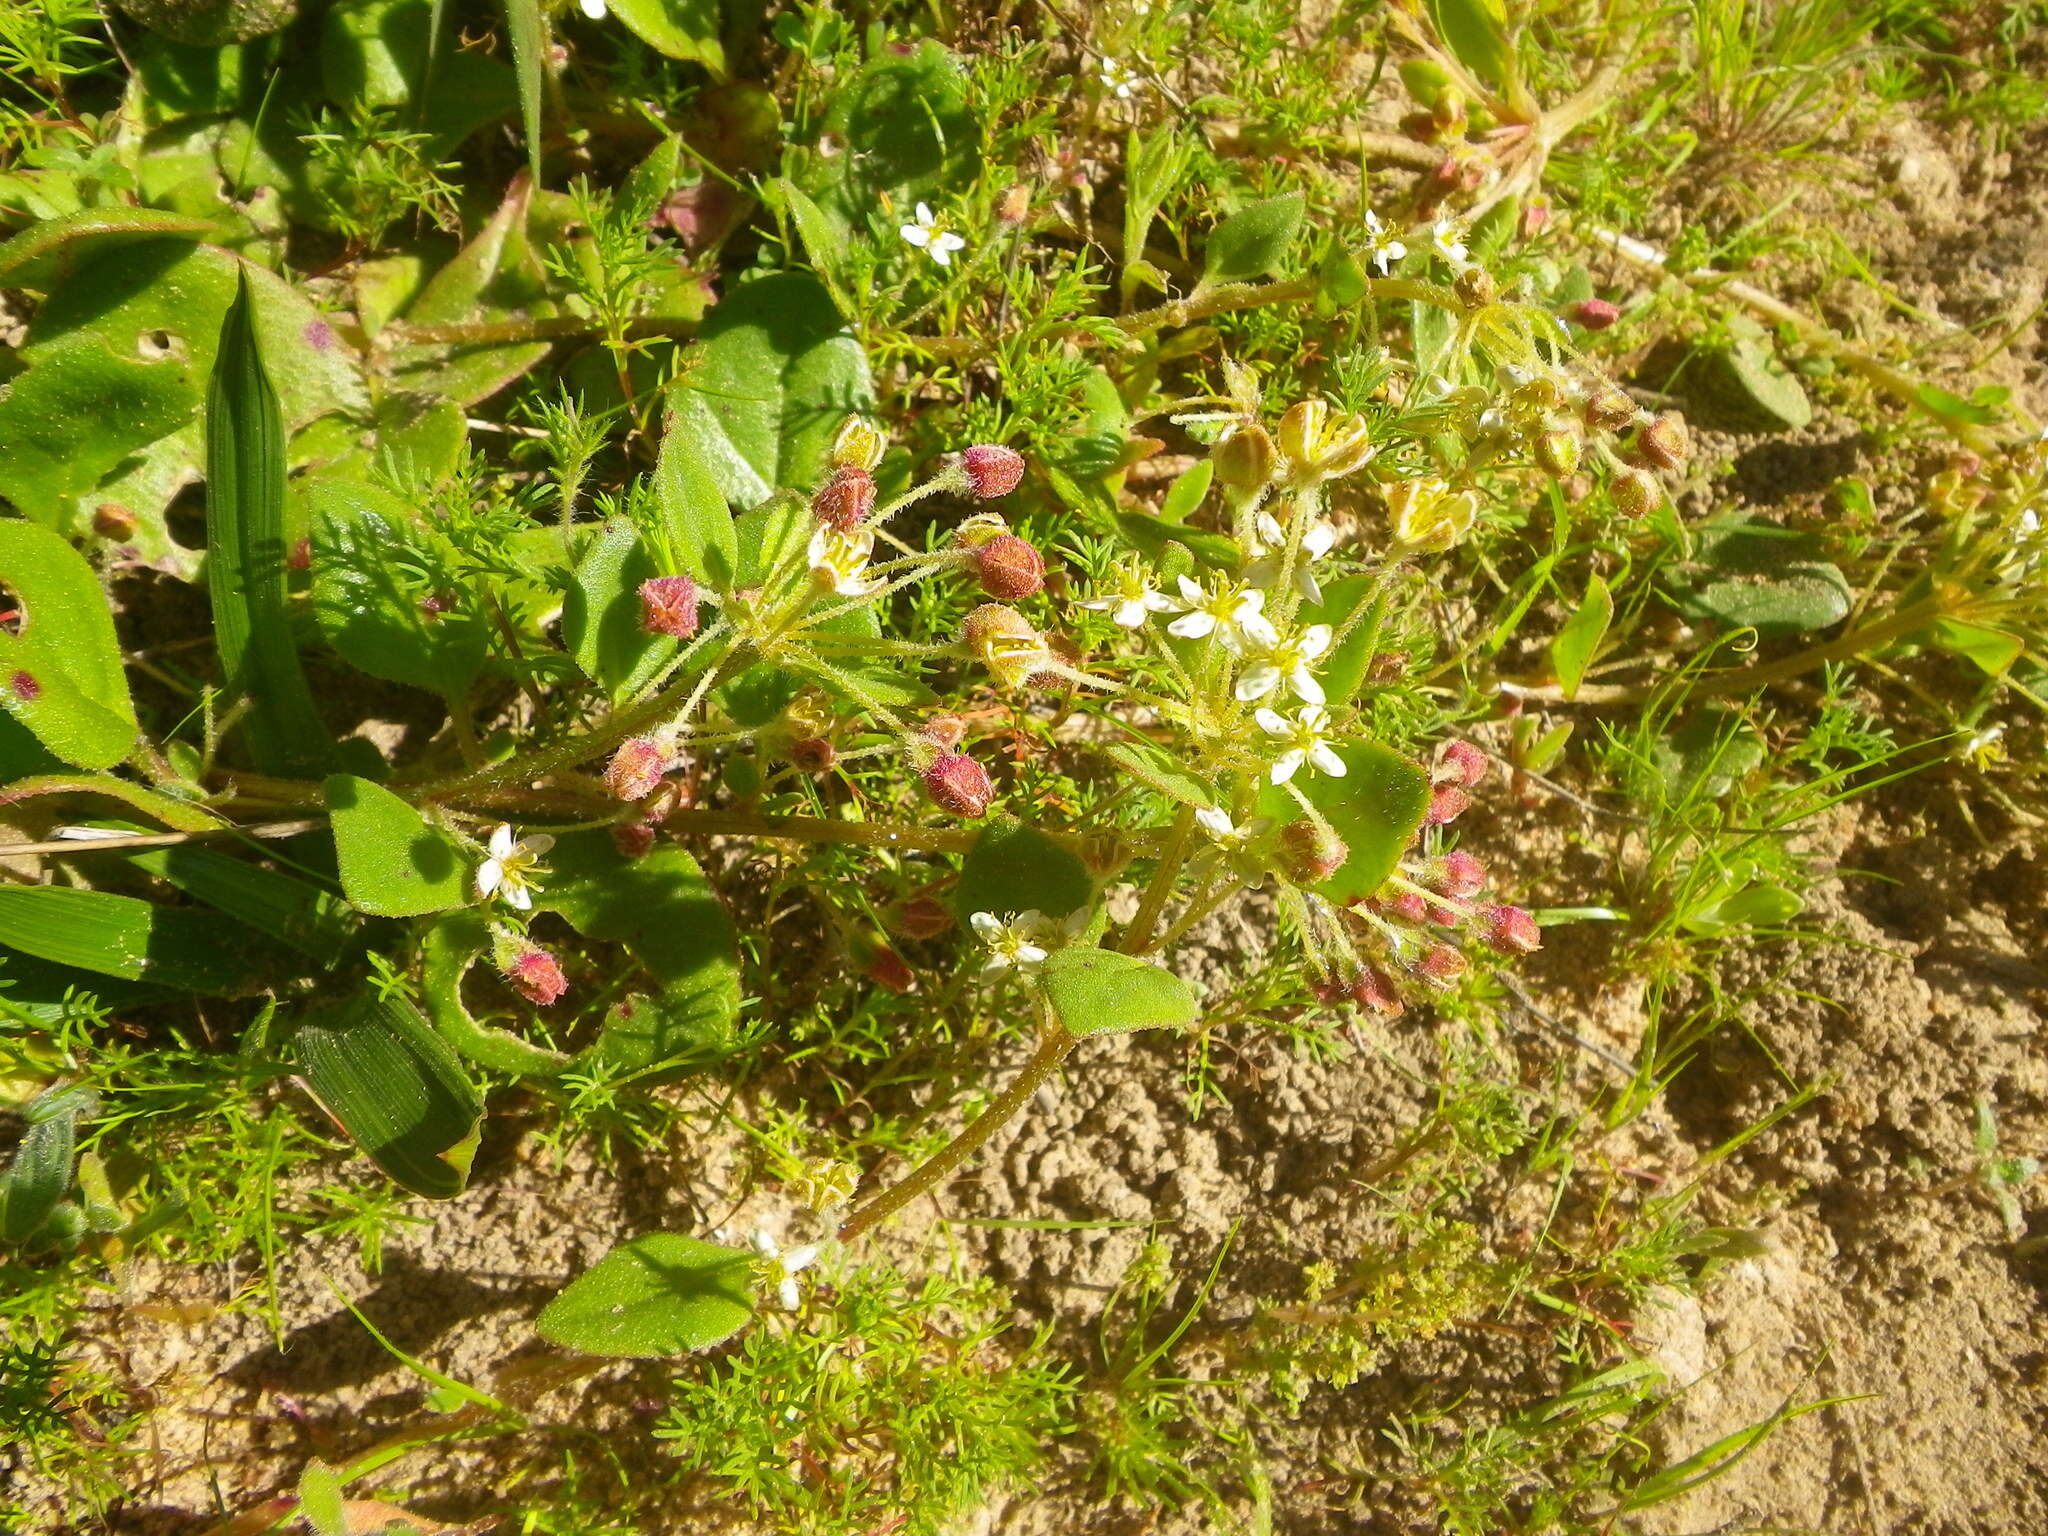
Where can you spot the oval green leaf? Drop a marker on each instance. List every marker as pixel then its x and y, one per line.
pixel 1015 868
pixel 393 864
pixel 1103 992
pixel 659 1295
pixel 1376 807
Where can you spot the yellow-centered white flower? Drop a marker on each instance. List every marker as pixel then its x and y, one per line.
pixel 1119 79
pixel 1291 661
pixel 1133 602
pixel 1386 247
pixel 784 1265
pixel 1230 611
pixel 928 236
pixel 509 873
pixel 1012 941
pixel 1269 542
pixel 1226 834
pixel 1448 241
pixel 839 561
pixel 1304 741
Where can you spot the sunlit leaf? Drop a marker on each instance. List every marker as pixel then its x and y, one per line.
pixel 60 666
pixel 1253 241
pixel 1102 992
pixel 393 864
pixel 1578 639
pixel 1376 807
pixel 1015 868
pixel 655 1296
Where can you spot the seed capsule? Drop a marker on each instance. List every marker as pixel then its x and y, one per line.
pixel 992 470
pixel 959 786
pixel 845 501
pixel 537 976
pixel 636 768
pixel 1009 568
pixel 1511 931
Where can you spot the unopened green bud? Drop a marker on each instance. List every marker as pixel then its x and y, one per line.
pixel 1664 442
pixel 1636 494
pixel 1245 460
pixel 1557 451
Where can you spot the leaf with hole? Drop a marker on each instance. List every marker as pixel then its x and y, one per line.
pixel 60 662
pixel 393 863
pixel 396 1087
pixel 451 946
pixel 1103 992
pixel 656 1296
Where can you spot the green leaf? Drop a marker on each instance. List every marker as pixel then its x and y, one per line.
pixel 452 945
pixel 907 129
pixel 1253 241
pixel 393 864
pixel 368 596
pixel 601 613
pixel 60 672
pixel 1155 767
pixel 1102 992
pixel 1015 868
pixel 1376 807
pixel 175 947
pixel 321 1503
pixel 1476 32
pixel 1343 671
pixel 694 513
pixel 41 255
pixel 396 1087
pixel 763 392
pixel 1992 650
pixel 295 912
pixel 670 919
pixel 527 31
pixel 1750 574
pixel 658 1295
pixel 1580 636
pixel 1186 492
pixel 245 543
pixel 682 29
pixel 177 814
pixel 495 277
pixel 40 1173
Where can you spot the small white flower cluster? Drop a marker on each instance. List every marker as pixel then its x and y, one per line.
pixel 1019 941
pixel 1446 241
pixel 784 1265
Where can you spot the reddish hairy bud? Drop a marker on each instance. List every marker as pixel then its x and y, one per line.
pixel 636 768
pixel 668 606
pixel 813 754
pixel 1310 854
pixel 1459 762
pixel 537 976
pixel 885 968
pixel 923 918
pixel 959 786
pixel 845 501
pixel 1511 931
pixel 1457 874
pixel 1009 568
pixel 992 470
pixel 1374 989
pixel 1664 442
pixel 1440 965
pixel 633 839
pixel 1015 203
pixel 1409 906
pixel 1595 314
pixel 301 556
pixel 1329 991
pixel 1609 410
pixel 1446 805
pixel 1636 494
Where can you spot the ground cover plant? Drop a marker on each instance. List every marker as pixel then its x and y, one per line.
pixel 860 769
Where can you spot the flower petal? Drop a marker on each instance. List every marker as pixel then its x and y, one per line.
pixel 501 840
pixel 1257 682
pixel 1192 626
pixel 489 875
pixel 1272 723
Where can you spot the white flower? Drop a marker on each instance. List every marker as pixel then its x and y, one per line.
pixel 839 561
pixel 1292 662
pixel 1010 942
pixel 594 9
pixel 1305 742
pixel 1231 612
pixel 1227 834
pixel 1120 79
pixel 925 234
pixel 1448 241
pixel 509 872
pixel 1269 539
pixel 1133 602
pixel 786 1266
pixel 1386 247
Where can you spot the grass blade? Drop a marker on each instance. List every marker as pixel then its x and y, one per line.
pixel 528 33
pixel 245 559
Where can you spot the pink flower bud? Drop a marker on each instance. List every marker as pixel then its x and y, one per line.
pixel 668 606
pixel 1009 568
pixel 1511 931
pixel 1446 806
pixel 992 470
pixel 1374 989
pixel 923 918
pixel 959 786
pixel 1440 965
pixel 537 976
pixel 844 501
pixel 636 768
pixel 633 839
pixel 886 968
pixel 1457 874
pixel 1595 314
pixel 1408 907
pixel 1310 854
pixel 1459 762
